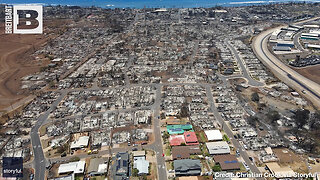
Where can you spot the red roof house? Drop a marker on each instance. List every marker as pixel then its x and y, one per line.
pixel 191 138
pixel 176 140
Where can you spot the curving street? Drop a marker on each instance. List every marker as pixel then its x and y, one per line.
pixel 301 84
pixel 244 69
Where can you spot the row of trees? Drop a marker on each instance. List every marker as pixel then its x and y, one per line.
pixel 301 116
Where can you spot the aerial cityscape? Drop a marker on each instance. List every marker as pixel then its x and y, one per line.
pixel 220 92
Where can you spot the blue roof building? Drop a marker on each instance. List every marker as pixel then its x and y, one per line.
pixel 120 168
pixel 178 129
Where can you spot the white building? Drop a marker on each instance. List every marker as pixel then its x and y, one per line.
pixel 83 141
pixel 72 167
pixel 275 34
pixel 219 147
pixel 213 135
pixel 97 167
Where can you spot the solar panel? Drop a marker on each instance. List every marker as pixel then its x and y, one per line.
pixel 125 163
pixel 229 162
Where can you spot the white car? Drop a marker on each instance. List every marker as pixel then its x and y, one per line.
pixel 246 166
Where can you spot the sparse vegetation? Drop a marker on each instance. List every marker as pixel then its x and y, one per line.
pixel 165 135
pixel 255 97
pixel 273 115
pixel 301 117
pixel 135 172
pixel 226 138
pixel 216 168
pixel 74 159
pixel 252 120
pixel 63 148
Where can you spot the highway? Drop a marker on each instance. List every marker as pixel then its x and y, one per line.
pixel 301 84
pixel 40 162
pixel 282 71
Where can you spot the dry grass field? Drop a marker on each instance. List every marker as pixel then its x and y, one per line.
pixel 16 60
pixel 312 72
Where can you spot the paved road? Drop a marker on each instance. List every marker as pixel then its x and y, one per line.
pixel 157 145
pixel 244 69
pixel 228 131
pixel 39 160
pixel 297 42
pixel 194 53
pixel 282 71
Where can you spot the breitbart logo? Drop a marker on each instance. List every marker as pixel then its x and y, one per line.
pixel 23 19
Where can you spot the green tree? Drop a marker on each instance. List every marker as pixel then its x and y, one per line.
pixel 184 112
pixel 74 159
pixel 163 116
pixel 252 120
pixel 216 168
pixel 255 97
pixel 135 172
pixel 273 115
pixel 315 120
pixel 226 138
pixel 42 69
pixel 301 117
pixel 62 148
pixel 51 84
pixel 261 106
pixel 165 135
